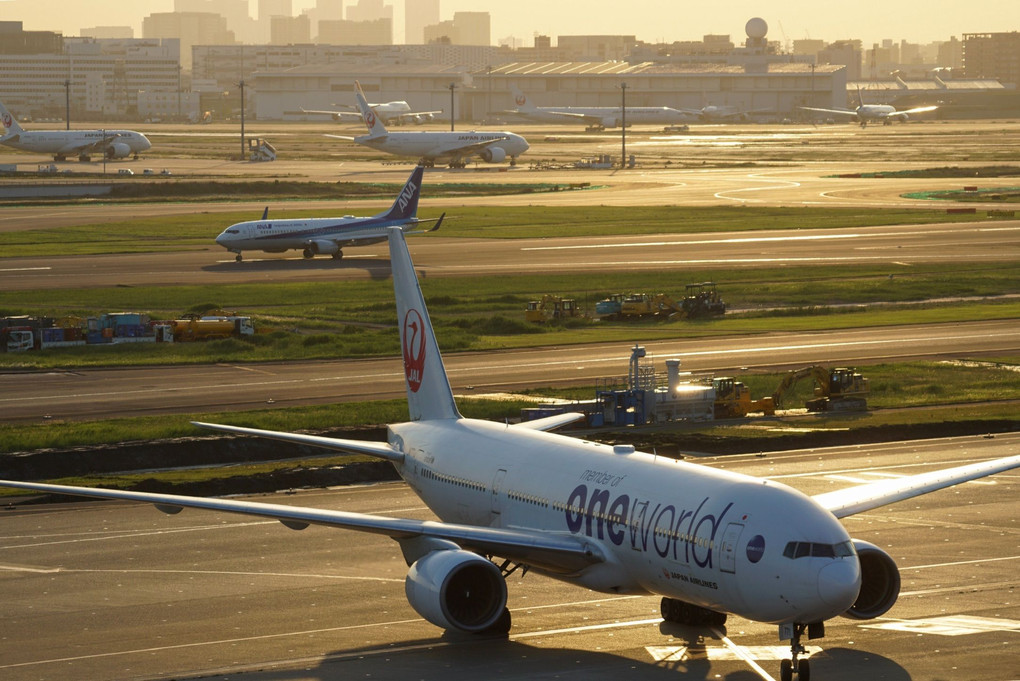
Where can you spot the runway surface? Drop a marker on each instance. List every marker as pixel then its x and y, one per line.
pixel 897 246
pixel 122 592
pixel 99 393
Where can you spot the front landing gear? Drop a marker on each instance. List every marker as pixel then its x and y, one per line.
pixel 787 668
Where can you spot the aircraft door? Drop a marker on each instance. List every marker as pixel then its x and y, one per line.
pixel 728 548
pixel 497 485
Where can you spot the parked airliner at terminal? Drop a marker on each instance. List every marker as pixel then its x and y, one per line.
pixel 81 143
pixel 607 518
pixel 430 146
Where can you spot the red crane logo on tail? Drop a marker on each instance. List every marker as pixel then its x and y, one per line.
pixel 7 120
pixel 520 100
pixel 370 120
pixel 413 339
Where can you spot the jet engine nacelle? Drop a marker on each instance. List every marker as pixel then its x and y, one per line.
pixel 493 154
pixel 611 122
pixel 117 150
pixel 880 583
pixel 323 247
pixel 456 589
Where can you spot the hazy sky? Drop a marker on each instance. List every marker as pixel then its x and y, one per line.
pixel 650 20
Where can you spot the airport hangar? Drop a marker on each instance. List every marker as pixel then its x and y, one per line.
pixel 775 89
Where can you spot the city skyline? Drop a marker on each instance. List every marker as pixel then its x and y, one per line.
pixel 917 21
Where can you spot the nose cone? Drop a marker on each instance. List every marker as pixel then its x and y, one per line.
pixel 146 144
pixel 222 239
pixel 839 583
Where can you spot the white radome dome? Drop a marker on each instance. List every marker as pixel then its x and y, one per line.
pixel 756 28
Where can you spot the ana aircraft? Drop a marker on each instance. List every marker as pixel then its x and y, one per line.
pixel 595 117
pixel 432 145
pixel 327 236
pixel 81 143
pixel 607 518
pixel 391 113
pixel 866 113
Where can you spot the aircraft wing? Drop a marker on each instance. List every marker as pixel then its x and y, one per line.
pixel 337 115
pixel 915 110
pixel 843 112
pixel 852 500
pixel 461 149
pixel 413 114
pixel 90 147
pixel 551 422
pixel 554 552
pixel 349 138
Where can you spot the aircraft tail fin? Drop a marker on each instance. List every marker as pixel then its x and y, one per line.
pixel 372 121
pixel 521 100
pixel 9 121
pixel 406 205
pixel 429 395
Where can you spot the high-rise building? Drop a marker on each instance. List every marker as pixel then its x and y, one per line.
pixel 290 30
pixel 417 15
pixel 992 55
pixel 369 10
pixel 274 8
pixel 190 28
pixel 473 28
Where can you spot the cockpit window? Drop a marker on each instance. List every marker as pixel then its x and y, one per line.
pixel 233 231
pixel 803 549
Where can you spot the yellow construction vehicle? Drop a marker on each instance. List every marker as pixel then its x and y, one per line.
pixel 550 307
pixel 648 305
pixel 839 389
pixel 733 400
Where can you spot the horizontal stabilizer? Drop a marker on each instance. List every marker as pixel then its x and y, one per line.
pixel 380 450
pixel 551 422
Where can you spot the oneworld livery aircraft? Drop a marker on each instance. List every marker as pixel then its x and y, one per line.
pixel 81 143
pixel 327 236
pixel 607 518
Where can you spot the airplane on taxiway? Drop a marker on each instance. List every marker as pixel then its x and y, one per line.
pixel 714 113
pixel 391 113
pixel 866 113
pixel 595 117
pixel 432 145
pixel 327 236
pixel 603 517
pixel 63 143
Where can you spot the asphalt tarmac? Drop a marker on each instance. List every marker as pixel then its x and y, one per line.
pixel 122 592
pixel 133 391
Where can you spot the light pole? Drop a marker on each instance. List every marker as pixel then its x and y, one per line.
pixel 241 85
pixel 452 116
pixel 623 125
pixel 67 103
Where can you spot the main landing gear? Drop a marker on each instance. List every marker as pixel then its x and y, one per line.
pixel 802 668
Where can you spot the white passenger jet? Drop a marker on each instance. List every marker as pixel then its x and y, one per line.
pixel 391 113
pixel 431 145
pixel 714 113
pixel 595 117
pixel 866 113
pixel 607 518
pixel 327 236
pixel 63 143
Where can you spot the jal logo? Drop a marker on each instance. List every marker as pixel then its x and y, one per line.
pixel 370 120
pixel 413 337
pixel 7 120
pixel 756 548
pixel 521 100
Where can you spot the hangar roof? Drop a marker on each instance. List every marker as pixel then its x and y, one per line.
pixel 578 68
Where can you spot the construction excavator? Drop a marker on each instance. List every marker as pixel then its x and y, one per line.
pixel 839 389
